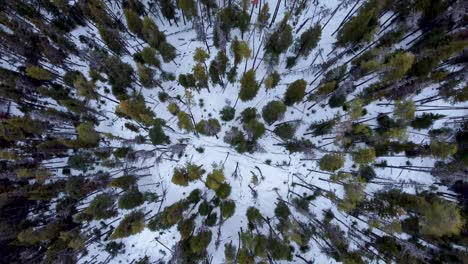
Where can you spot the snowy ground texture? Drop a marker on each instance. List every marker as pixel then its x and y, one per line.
pixel 284 167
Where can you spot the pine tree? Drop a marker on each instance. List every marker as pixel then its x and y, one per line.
pixel 87 135
pixel 146 75
pixel 227 207
pixel 131 224
pixel 360 28
pixel 111 37
pixel 308 41
pixel 215 179
pixel 200 55
pixel 272 80
pixel 228 113
pixel 168 52
pixel 223 191
pixel 200 242
pixel 273 111
pixel 442 150
pixel 131 199
pixel 151 33
pixel 249 86
pixel 209 127
pixel 124 182
pixel 102 207
pixel 355 109
pixel 280 40
pixel 188 7
pixel 398 66
pixel 39 73
pixel 440 218
pixel 295 92
pixel 254 129
pixel 85 88
pixel 157 135
pixel 134 23
pixel 184 121
pixel 331 162
pixel 263 16
pixel 405 110
pixel 364 155
pixel 148 55
pixel 241 50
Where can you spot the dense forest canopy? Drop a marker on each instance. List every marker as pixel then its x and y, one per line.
pixel 233 131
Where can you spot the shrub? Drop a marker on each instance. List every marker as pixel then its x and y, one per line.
pixel 131 224
pixel 295 92
pixel 273 111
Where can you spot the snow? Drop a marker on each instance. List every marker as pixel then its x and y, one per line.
pixel 284 167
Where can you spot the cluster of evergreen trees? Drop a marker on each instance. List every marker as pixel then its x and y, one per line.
pixel 66 183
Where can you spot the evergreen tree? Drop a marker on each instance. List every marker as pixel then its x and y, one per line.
pixel 189 8
pixel 249 86
pixel 157 135
pixel 131 199
pixel 102 207
pixel 331 162
pixel 131 224
pixel 364 155
pixel 272 80
pixel 440 218
pixel 280 40
pixel 209 127
pixel 134 23
pixel 184 121
pixel 295 92
pixel 87 136
pixel 273 111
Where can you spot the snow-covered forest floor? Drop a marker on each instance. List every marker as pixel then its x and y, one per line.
pixel 271 173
